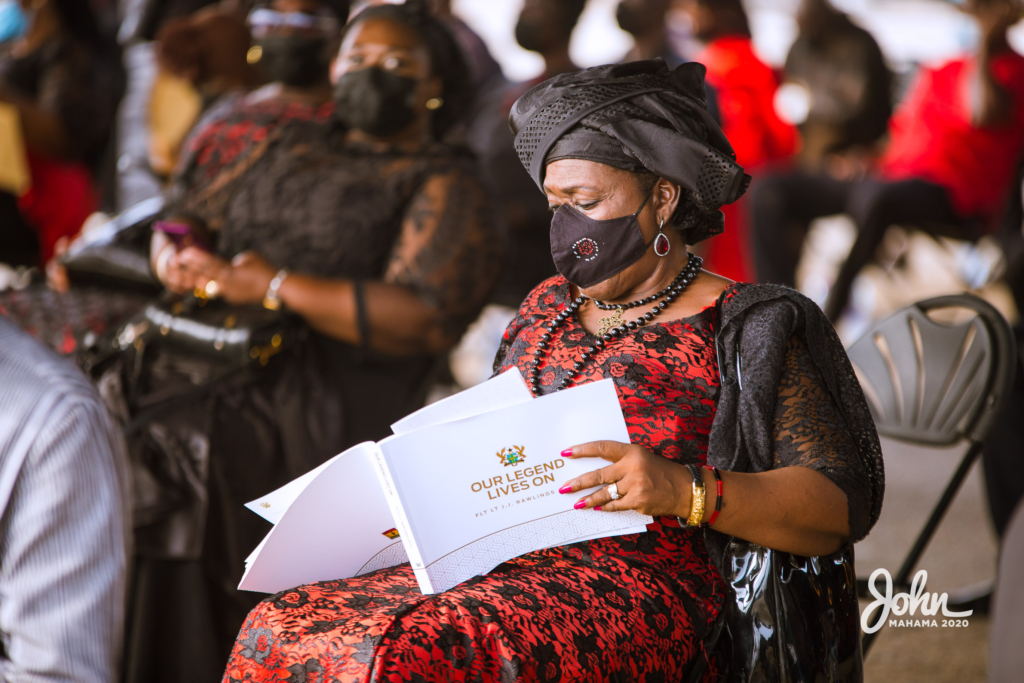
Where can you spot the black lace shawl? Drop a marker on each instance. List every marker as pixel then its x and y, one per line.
pixel 755 425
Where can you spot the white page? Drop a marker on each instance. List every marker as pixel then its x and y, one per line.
pixel 255 552
pixel 465 522
pixel 507 389
pixel 272 506
pixel 336 529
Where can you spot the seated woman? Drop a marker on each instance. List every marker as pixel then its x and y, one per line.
pixel 378 239
pixel 63 78
pixel 294 40
pixel 642 175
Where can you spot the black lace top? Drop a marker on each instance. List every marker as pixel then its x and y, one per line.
pixel 789 396
pixel 318 206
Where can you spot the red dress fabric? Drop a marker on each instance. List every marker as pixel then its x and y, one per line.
pixel 58 202
pixel 933 138
pixel 631 607
pixel 745 87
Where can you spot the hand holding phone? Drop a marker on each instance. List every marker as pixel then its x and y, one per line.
pixel 183 235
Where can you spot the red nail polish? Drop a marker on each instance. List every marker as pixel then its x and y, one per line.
pixel 567 453
pixel 598 507
pixel 580 505
pixel 565 489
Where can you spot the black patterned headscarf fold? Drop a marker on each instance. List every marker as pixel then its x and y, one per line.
pixel 638 116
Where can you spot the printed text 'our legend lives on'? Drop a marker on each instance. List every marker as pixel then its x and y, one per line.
pixel 518 481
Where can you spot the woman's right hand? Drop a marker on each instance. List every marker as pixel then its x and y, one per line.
pixel 171 271
pixel 168 267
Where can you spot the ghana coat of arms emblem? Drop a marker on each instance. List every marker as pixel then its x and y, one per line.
pixel 510 457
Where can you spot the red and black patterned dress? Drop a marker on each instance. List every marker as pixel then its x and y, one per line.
pixel 628 608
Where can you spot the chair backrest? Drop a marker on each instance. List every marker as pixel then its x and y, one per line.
pixel 933 383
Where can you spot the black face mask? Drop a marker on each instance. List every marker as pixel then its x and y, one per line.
pixel 294 60
pixel 375 101
pixel 587 251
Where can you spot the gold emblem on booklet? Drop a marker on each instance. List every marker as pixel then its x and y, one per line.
pixel 510 457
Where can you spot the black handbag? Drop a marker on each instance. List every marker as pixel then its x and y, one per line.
pixel 117 253
pixel 787 618
pixel 790 618
pixel 231 336
pixel 160 371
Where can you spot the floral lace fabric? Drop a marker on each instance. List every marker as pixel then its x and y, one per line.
pixel 799 404
pixel 307 201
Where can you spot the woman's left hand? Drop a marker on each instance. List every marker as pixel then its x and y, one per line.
pixel 648 483
pixel 244 280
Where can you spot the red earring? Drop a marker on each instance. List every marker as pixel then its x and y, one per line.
pixel 662 245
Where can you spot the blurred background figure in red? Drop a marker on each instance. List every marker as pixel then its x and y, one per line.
pixel 201 60
pixel 63 78
pixel 745 88
pixel 955 144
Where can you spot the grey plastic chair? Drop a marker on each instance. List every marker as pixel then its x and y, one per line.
pixel 933 384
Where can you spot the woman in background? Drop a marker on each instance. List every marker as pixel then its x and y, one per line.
pixel 745 90
pixel 64 79
pixel 296 40
pixel 293 43
pixel 377 240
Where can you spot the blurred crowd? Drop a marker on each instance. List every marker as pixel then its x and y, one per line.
pixel 340 228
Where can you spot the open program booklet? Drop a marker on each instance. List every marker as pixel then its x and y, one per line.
pixel 462 486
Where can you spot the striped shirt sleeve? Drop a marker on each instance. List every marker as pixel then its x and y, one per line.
pixel 64 548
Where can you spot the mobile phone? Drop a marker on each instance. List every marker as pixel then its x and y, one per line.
pixel 182 235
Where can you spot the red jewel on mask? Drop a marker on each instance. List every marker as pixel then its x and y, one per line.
pixel 585 249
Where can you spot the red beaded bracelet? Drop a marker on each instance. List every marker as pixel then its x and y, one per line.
pixel 718 494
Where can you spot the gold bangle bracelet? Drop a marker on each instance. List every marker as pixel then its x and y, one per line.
pixel 697 499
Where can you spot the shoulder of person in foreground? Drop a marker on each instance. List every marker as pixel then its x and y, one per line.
pixel 64 519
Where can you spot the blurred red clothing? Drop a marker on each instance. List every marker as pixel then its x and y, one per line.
pixel 58 202
pixel 746 92
pixel 932 137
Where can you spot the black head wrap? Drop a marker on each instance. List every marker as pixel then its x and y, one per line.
pixel 640 117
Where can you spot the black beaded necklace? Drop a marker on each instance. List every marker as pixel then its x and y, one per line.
pixel 606 325
pixel 669 294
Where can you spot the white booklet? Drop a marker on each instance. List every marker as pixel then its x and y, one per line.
pixel 464 485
